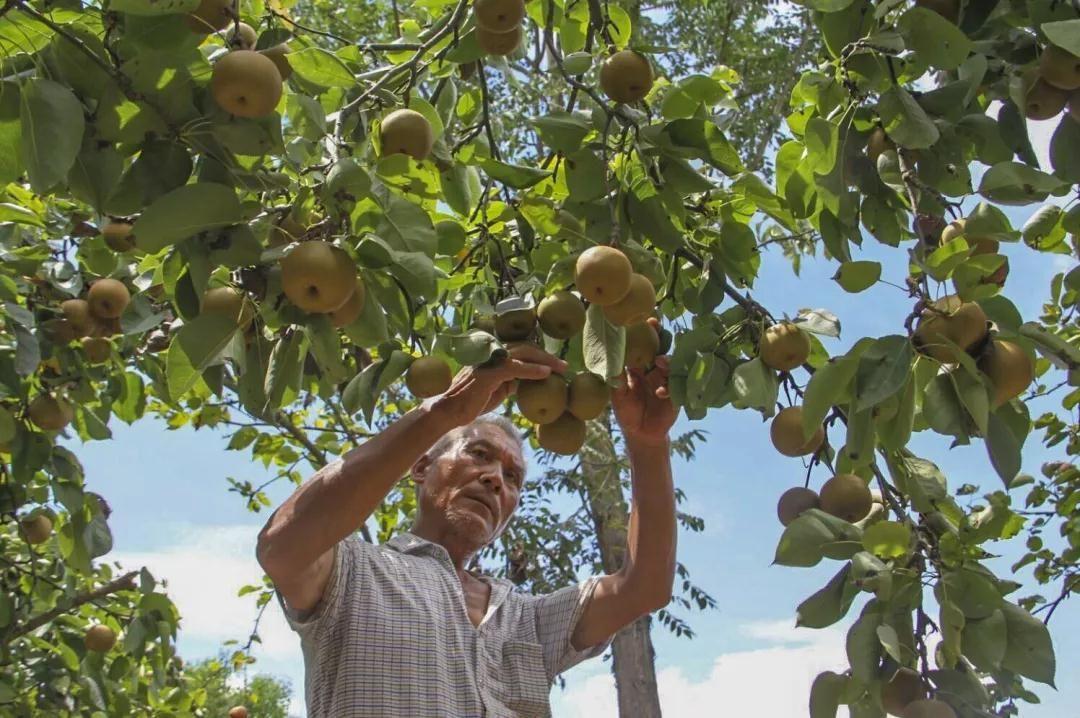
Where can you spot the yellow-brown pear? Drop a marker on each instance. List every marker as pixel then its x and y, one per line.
pixel 847 497
pixel 499 44
pixel 794 502
pixel 642 345
pixel 350 311
pixel 118 236
pixel 428 376
pixel 561 315
pixel 1060 68
pixel 36 530
pixel 784 346
pixel 636 306
pixel 602 275
pixel 242 36
pixel 950 318
pixel 277 55
pixel 97 349
pixel 787 435
pixel 318 277
pixel 626 76
pixel 406 132
pixel 108 298
pixel 100 638
pixel 246 84
pixel 1044 101
pixel 77 312
pixel 229 302
pixel 588 396
pixel 499 15
pixel 901 690
pixel 1009 369
pixel 50 413
pixel 542 401
pixel 565 435
pixel 211 16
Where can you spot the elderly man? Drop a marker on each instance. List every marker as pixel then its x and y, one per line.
pixel 405 630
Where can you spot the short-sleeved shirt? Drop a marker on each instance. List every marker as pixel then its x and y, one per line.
pixel 391 638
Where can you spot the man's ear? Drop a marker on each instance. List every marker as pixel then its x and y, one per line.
pixel 420 468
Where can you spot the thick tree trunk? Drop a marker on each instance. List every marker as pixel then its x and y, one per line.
pixel 635 672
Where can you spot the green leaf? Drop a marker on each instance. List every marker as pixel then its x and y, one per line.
pixel 984 641
pixel 890 641
pixel 972 590
pixel 284 371
pixel 1063 155
pixel 1004 449
pixel 321 68
pixel 95 174
pixel 812 536
pixel 603 344
pixel 825 692
pixel 709 144
pixel 934 39
pixel 856 277
pixel 195 347
pixel 1065 34
pixel 883 370
pixel 1016 183
pixel 1029 649
pixel 562 131
pixel 18 214
pixel 325 344
pixel 1041 223
pixel 887 539
pixel 10 133
pixel 516 176
pixel 184 212
pixel 822 144
pixel 906 123
pixel 472 348
pixel 863 646
pixel 52 131
pixel 755 386
pixel 828 605
pixel 153 7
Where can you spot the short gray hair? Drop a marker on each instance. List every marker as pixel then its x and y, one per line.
pixel 499 422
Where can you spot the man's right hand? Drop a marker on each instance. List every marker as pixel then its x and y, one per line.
pixel 477 390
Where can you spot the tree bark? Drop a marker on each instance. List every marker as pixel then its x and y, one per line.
pixel 632 649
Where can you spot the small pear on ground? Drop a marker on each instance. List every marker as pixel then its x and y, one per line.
pixel 962 323
pixel 542 401
pixel 902 689
pixel 118 236
pixel 36 530
pixel 626 76
pixel 50 413
pixel 565 435
pixel 100 638
pixel 97 349
pixel 238 712
pixel 499 15
pixel 636 306
pixel 847 497
pixel 928 709
pixel 1060 68
pixel 350 311
pixel 406 132
pixel 561 315
pixel 588 396
pixel 602 275
pixel 246 84
pixel 515 325
pixel 1043 101
pixel 277 54
pixel 499 44
pixel 108 298
pixel 211 16
pixel 318 277
pixel 877 144
pixel 784 346
pixel 428 376
pixel 642 345
pixel 229 302
pixel 77 312
pixel 1009 369
pixel 242 37
pixel 794 502
pixel 787 435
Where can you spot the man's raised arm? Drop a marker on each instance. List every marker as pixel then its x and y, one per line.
pixel 296 546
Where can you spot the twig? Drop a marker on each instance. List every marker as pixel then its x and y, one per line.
pixel 124 583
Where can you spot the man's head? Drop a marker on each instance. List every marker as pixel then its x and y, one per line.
pixel 469 483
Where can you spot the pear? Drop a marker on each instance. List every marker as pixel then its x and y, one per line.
pixel 565 435
pixel 902 689
pixel 108 298
pixel 642 345
pixel 878 144
pixel 246 84
pixel 97 349
pixel 561 315
pixel 1009 369
pixel 846 497
pixel 1044 101
pixel 118 236
pixel 602 275
pixel 636 306
pixel 962 323
pixel 588 396
pixel 1060 68
pixel 77 313
pixel 787 435
pixel 350 311
pixel 928 709
pixel 499 15
pixel 285 230
pixel 50 413
pixel 499 44
pixel 238 712
pixel 36 530
pixel 794 502
pixel 515 325
pixel 230 302
pixel 318 277
pixel 542 401
pixel 277 54
pixel 784 346
pixel 100 638
pixel 211 16
pixel 428 376
pixel 406 132
pixel 242 37
pixel 626 76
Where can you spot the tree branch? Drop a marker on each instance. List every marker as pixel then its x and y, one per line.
pixel 124 583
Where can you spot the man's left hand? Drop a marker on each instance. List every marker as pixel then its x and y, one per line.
pixel 643 405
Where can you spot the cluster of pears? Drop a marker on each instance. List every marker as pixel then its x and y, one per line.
pixel 950 326
pixel 1053 85
pixel 626 76
pixel 904 695
pixel 498 25
pixel 560 408
pixel 979 245
pixel 93 319
pixel 245 82
pixel 321 278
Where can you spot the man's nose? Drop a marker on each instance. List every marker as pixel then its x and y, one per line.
pixel 493 478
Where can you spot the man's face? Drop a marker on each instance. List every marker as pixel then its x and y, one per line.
pixel 475 485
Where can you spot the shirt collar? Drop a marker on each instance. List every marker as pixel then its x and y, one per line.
pixel 409 543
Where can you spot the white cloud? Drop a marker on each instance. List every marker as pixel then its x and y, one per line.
pixel 768 682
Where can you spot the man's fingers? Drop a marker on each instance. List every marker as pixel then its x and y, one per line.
pixel 530 353
pixel 514 369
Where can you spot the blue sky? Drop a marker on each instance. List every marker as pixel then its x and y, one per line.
pixel 172 512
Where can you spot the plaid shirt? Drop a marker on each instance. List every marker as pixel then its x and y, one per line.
pixel 391 639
